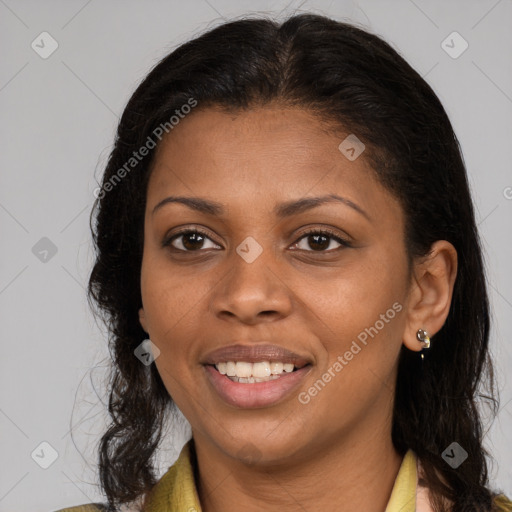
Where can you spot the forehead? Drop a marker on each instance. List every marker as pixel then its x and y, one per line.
pixel 265 153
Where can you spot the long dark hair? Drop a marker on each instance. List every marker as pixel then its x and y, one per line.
pixel 353 78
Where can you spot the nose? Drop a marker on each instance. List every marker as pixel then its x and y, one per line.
pixel 252 292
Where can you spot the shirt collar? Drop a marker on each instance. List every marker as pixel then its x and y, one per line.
pixel 176 490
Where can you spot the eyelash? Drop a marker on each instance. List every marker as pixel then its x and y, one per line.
pixel 313 231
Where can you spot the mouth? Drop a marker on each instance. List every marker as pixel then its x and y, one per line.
pixel 255 376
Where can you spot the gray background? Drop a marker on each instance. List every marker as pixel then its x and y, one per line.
pixel 58 119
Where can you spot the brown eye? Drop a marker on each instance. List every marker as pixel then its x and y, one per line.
pixel 191 240
pixel 320 241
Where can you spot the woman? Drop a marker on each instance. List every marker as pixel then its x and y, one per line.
pixel 287 251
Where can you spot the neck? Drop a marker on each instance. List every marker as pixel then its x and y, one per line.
pixel 345 473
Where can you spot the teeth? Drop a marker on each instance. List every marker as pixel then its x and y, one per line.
pixel 243 369
pixel 261 369
pixel 276 368
pixel 265 379
pixel 252 380
pixel 230 369
pixel 253 372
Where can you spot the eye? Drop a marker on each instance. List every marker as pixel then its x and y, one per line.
pixel 320 240
pixel 193 240
pixel 189 240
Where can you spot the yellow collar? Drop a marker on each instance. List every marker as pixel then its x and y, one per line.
pixel 403 495
pixel 176 489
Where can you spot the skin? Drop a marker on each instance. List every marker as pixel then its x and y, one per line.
pixel 335 452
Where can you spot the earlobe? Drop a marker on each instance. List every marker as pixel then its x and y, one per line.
pixel 431 293
pixel 142 319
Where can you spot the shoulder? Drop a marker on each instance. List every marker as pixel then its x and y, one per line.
pixel 503 504
pixel 91 507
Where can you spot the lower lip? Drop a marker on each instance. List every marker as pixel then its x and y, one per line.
pixel 259 394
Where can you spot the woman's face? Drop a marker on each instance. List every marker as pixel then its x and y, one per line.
pixel 260 274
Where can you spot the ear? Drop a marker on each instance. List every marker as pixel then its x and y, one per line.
pixel 142 320
pixel 430 295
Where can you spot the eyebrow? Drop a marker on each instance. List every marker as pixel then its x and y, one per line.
pixel 286 209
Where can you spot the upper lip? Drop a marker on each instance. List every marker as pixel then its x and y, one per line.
pixel 254 354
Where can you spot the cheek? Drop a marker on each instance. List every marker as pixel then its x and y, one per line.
pixel 358 366
pixel 169 306
pixel 361 317
pixel 175 301
pixel 354 298
pixel 168 297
